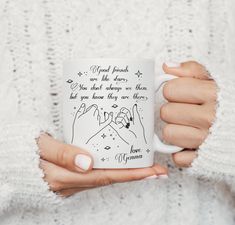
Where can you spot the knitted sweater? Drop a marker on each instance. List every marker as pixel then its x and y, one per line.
pixel 37 36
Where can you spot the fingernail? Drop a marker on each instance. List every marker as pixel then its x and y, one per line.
pixel 83 161
pixel 163 177
pixel 172 64
pixel 105 115
pixel 151 177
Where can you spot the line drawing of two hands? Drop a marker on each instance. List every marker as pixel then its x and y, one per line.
pixel 127 124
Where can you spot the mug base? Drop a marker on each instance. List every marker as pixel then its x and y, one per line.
pixel 122 167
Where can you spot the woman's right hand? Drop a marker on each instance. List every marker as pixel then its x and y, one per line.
pixel 68 169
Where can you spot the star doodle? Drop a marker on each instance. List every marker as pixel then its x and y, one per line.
pixel 103 159
pixel 147 150
pixel 103 135
pixel 138 73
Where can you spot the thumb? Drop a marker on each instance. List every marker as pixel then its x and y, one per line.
pixel 64 155
pixel 186 69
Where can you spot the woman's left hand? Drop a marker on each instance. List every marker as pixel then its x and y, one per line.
pixel 190 111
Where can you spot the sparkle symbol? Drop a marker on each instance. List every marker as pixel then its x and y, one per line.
pixel 138 73
pixel 69 81
pixel 103 135
pixel 103 159
pixel 147 150
pixel 80 74
pixel 114 105
pixel 107 147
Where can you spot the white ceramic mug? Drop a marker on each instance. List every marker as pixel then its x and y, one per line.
pixel 108 109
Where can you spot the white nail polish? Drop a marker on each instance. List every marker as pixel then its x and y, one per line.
pixel 151 177
pixel 163 177
pixel 172 64
pixel 83 161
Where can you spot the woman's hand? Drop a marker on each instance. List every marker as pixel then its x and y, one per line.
pixel 190 111
pixel 68 169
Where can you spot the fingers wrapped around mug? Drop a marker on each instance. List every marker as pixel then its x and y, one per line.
pixel 190 110
pixel 184 136
pixel 184 158
pixel 191 69
pixel 195 116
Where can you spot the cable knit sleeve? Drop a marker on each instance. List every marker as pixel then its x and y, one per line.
pixel 24 104
pixel 21 179
pixel 216 156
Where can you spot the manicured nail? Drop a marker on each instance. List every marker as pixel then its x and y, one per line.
pixel 151 177
pixel 163 177
pixel 83 161
pixel 172 64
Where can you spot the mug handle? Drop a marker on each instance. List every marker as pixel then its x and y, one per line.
pixel 159 146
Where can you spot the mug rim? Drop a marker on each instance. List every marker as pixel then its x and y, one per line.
pixel 148 60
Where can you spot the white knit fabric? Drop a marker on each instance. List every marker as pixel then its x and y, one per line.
pixel 37 36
